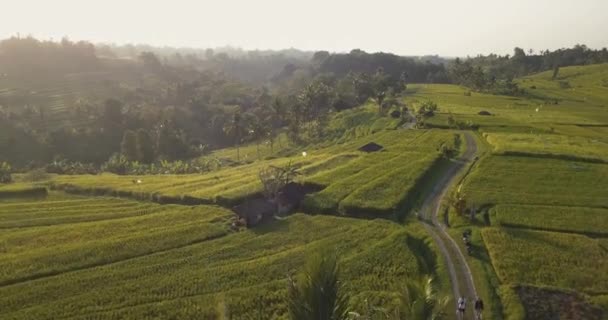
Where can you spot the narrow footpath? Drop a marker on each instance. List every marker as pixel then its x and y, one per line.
pixel 456 264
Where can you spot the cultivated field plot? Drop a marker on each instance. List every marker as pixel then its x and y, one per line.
pixel 575 85
pixel 231 184
pixel 542 258
pixel 379 183
pixel 549 145
pixel 243 272
pixel 131 231
pixel 395 170
pixel 553 218
pixel 375 184
pixel 546 104
pixel 537 181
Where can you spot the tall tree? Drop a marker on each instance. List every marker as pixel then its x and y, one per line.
pixel 145 147
pixel 5 172
pixel 381 83
pixel 276 119
pixel 234 128
pixel 316 101
pixel 128 146
pixel 260 130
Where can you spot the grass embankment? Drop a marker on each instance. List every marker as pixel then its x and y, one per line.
pixel 19 190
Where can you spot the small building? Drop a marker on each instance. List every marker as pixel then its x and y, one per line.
pixel 371 147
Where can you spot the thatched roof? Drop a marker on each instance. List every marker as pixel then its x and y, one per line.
pixel 371 147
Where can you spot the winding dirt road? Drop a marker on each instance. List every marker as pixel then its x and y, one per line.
pixel 458 269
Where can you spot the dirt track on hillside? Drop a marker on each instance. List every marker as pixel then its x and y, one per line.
pixel 458 269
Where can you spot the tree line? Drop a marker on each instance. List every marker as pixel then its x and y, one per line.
pixel 156 108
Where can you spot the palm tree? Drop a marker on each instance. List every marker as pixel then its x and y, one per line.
pixel 421 301
pixel 276 121
pixel 317 293
pixel 235 128
pixel 260 129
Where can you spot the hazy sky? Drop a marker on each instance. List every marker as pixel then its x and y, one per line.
pixel 445 27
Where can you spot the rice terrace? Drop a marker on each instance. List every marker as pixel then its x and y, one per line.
pixel 186 179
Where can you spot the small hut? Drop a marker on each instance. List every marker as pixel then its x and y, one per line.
pixel 371 147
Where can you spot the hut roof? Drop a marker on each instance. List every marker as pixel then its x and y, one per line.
pixel 371 147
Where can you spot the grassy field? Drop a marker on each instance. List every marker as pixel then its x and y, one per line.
pixel 548 259
pixel 241 272
pixel 381 184
pixel 537 181
pixel 555 218
pixel 556 145
pixel 127 230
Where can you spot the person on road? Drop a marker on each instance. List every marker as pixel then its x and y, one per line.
pixel 461 307
pixel 478 308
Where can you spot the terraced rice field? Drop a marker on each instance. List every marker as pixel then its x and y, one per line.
pixel 537 181
pixel 548 259
pixel 553 218
pixel 545 184
pixel 123 230
pixel 181 263
pixel 383 185
pixel 583 148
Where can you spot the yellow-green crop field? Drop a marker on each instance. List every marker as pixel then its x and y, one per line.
pixel 548 259
pixel 537 181
pixel 383 185
pixel 553 218
pixel 182 263
pixel 556 145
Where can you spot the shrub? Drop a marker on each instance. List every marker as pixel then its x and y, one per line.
pixel 5 173
pixel 36 175
pixel 564 84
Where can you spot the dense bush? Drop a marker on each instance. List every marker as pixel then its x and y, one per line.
pixel 119 164
pixel 64 166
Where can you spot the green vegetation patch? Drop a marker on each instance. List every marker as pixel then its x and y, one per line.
pixel 52 212
pixel 551 303
pixel 28 253
pixel 549 145
pixel 547 259
pixel 538 181
pixel 553 218
pixel 389 192
pixel 243 272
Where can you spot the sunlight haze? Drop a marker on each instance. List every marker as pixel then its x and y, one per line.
pixel 448 28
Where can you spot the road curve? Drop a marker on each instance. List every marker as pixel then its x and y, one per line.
pixel 458 269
